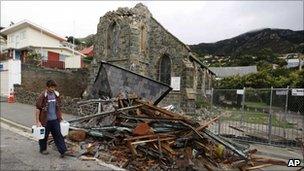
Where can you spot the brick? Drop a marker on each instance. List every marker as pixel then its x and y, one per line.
pixel 77 135
pixel 142 129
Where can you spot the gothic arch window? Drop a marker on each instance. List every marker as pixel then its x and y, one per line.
pixel 113 39
pixel 143 38
pixel 165 70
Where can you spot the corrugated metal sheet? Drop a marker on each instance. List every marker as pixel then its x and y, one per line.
pixel 113 80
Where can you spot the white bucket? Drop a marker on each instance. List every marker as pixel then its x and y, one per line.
pixel 38 132
pixel 64 128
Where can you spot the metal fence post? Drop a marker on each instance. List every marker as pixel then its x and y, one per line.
pixel 302 145
pixel 243 106
pixel 270 117
pixel 219 126
pixel 211 105
pixel 211 100
pixel 286 109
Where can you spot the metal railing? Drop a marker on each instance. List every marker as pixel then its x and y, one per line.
pixel 53 64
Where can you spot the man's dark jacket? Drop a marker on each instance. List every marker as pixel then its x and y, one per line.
pixel 42 105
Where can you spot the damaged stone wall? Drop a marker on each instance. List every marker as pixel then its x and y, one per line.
pixel 133 39
pixel 69 105
pixel 71 83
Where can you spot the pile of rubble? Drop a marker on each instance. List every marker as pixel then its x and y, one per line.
pixel 137 135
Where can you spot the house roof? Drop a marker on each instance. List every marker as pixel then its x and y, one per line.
pixel 87 50
pixel 55 49
pixel 293 60
pixel 223 72
pixel 25 23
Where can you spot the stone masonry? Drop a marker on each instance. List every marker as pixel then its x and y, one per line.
pixel 134 40
pixel 71 85
pixel 68 104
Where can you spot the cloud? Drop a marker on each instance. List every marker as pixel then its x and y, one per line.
pixel 191 21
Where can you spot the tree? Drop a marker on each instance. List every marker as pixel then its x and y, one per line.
pixel 265 78
pixel 70 40
pixel 245 60
pixel 34 58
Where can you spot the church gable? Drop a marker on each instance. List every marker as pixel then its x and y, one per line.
pixel 132 39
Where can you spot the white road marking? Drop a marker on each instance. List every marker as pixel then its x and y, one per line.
pixel 17 131
pixel 13 127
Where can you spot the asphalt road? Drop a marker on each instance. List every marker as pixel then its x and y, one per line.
pixel 21 153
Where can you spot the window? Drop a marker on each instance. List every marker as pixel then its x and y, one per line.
pixel 62 57
pixel 143 37
pixel 113 40
pixel 43 53
pixel 17 38
pixel 17 41
pixel 22 35
pixel 165 70
pixel 12 38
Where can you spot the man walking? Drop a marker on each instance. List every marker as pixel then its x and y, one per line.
pixel 48 115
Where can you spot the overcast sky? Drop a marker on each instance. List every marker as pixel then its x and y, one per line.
pixel 192 22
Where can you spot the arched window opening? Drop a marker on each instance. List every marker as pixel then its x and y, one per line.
pixel 143 37
pixel 165 70
pixel 113 39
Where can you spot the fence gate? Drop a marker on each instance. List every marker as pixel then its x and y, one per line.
pixel 272 116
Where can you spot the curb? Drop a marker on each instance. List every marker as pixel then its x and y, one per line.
pixel 16 125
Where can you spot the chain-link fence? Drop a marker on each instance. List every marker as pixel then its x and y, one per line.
pixel 274 116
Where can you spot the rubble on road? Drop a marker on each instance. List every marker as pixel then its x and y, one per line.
pixel 138 135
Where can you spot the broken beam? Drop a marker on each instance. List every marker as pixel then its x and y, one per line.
pixel 164 111
pixel 148 136
pixel 104 113
pixel 153 140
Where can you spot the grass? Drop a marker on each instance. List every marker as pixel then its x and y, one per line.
pixel 257 118
pixel 257 105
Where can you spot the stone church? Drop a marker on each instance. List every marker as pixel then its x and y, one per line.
pixel 134 40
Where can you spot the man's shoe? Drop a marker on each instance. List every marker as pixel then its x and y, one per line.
pixel 67 153
pixel 44 152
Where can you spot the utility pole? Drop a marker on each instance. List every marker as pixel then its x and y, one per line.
pixel 300 61
pixel 73 38
pixel 41 54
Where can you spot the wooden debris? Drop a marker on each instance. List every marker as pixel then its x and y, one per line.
pixel 140 136
pixel 259 166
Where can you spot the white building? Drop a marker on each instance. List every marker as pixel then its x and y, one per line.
pixel 10 74
pixel 291 63
pixel 25 37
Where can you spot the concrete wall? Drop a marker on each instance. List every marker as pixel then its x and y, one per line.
pixel 73 61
